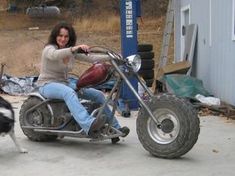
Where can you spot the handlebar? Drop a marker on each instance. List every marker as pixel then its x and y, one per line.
pixel 101 51
pixel 106 51
pixel 80 51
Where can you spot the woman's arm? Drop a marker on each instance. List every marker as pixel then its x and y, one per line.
pixel 52 53
pixel 89 57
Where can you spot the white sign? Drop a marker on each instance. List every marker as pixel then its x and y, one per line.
pixel 129 19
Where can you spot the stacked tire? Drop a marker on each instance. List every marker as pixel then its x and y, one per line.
pixel 147 63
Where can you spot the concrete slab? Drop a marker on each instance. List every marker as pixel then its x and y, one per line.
pixel 213 154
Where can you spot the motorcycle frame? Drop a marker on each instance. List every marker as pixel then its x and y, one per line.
pixel 179 143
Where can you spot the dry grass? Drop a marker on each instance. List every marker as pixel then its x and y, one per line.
pixel 100 30
pixel 111 24
pixel 13 21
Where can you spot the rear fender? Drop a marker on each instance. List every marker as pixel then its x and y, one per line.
pixel 39 96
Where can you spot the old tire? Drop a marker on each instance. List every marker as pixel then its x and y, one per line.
pixel 146 74
pixel 145 47
pixel 36 118
pixel 179 127
pixel 146 55
pixel 147 64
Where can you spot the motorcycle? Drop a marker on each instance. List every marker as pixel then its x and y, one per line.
pixel 167 126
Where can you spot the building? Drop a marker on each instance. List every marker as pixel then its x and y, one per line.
pixel 214 56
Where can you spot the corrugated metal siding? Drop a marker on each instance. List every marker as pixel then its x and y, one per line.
pixel 177 5
pixel 222 62
pixel 214 64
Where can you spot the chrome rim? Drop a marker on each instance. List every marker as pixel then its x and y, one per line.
pixel 34 118
pixel 169 128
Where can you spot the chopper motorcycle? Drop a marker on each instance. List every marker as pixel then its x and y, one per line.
pixel 167 126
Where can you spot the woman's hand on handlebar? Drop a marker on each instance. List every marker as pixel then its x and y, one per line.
pixel 80 49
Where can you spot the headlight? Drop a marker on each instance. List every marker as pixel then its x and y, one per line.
pixel 135 62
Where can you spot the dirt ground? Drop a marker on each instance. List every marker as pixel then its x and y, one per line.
pixel 22 40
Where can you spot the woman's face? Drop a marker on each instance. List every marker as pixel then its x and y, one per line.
pixel 63 38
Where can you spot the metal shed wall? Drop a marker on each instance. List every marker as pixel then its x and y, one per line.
pixel 215 50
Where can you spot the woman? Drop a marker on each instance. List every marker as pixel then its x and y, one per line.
pixel 57 60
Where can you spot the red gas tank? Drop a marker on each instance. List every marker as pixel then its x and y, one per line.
pixel 94 75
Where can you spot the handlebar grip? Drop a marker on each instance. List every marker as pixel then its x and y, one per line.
pixel 80 51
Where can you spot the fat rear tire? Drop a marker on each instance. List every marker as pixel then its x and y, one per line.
pixel 181 127
pixel 41 112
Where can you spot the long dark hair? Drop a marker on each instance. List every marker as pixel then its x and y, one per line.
pixel 56 31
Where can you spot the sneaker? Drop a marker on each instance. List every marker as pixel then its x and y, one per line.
pixel 125 130
pixel 97 124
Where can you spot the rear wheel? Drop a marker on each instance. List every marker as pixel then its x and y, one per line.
pixel 178 131
pixel 39 117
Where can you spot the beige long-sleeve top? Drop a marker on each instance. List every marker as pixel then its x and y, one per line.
pixel 54 69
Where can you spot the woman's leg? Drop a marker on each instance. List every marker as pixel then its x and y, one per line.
pixel 98 97
pixel 63 92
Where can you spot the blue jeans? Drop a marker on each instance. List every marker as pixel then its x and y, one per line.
pixel 69 95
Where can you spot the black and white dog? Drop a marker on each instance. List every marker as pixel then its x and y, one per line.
pixel 7 120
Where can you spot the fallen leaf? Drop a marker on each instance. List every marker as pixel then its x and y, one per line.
pixel 215 151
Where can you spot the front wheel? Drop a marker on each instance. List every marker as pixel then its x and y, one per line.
pixel 178 130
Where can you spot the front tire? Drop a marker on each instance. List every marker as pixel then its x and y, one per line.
pixel 179 127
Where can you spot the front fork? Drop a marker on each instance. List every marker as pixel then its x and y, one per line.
pixel 143 104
